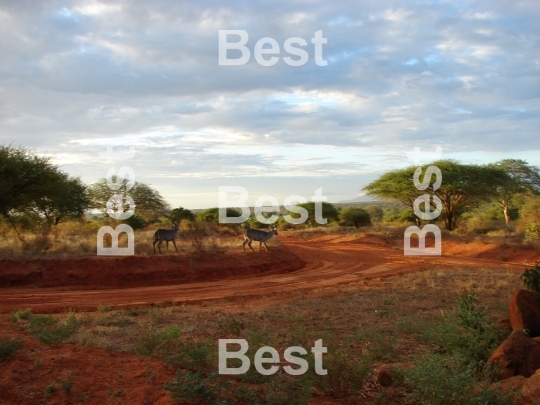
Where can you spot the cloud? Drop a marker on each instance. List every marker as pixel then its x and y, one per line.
pixel 75 75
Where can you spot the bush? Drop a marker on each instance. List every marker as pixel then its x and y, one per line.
pixel 400 216
pixel 211 215
pixel 196 232
pixel 199 357
pixel 209 390
pixel 20 314
pixel 353 216
pixel 51 330
pixel 531 278
pixel 231 326
pixel 375 212
pixel 151 342
pixel 8 347
pixel 465 332
pixel 136 222
pixel 441 380
pixel 346 376
pixel 532 233
pixel 529 212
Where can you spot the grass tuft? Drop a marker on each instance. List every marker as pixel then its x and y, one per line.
pixel 8 347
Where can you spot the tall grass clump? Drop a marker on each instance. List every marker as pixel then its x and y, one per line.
pixel 531 278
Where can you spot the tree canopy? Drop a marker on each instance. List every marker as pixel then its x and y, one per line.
pixel 463 186
pixel 31 185
pixel 149 204
pixel 211 215
pixel 329 212
pixel 522 178
pixel 354 216
pixel 178 214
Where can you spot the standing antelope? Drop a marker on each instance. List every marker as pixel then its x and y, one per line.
pixel 259 236
pixel 165 235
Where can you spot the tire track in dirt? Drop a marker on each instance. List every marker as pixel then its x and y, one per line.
pixel 328 264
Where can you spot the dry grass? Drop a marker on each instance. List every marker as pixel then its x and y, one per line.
pixel 368 323
pixel 365 319
pixel 78 238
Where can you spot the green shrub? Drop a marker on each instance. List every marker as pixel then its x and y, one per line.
pixel 531 278
pixel 104 308
pixel 154 342
pixel 354 216
pixel 136 222
pixel 51 330
pixel 465 332
pixel 8 347
pixel 193 387
pixel 281 389
pixel 20 314
pixel 198 356
pixel 442 379
pixel 211 390
pixel 67 385
pixel 231 327
pixel 532 233
pixel 346 376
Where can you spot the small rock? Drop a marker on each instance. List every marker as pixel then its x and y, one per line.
pixel 525 311
pixel 510 384
pixel 531 389
pixel 517 355
pixel 388 372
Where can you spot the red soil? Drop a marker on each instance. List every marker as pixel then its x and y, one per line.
pixel 97 376
pixel 100 376
pixel 100 272
pixel 82 284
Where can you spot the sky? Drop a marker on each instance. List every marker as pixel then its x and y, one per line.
pixel 77 77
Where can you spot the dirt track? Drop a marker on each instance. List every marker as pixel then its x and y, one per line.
pixel 328 262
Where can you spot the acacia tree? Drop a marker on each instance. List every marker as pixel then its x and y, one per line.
pixel 149 204
pixel 522 179
pixel 31 185
pixel 329 212
pixel 178 214
pixel 67 200
pixel 396 185
pixel 211 215
pixel 355 216
pixel 463 187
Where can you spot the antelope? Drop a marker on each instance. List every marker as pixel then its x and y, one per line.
pixel 165 235
pixel 259 236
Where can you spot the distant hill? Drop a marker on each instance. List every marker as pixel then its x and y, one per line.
pixel 361 198
pixel 385 205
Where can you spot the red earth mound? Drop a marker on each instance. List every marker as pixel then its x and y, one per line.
pixel 144 271
pixel 66 374
pixel 184 279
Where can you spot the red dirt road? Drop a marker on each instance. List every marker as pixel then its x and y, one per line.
pixel 147 280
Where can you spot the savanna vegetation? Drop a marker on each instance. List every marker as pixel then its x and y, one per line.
pixel 441 324
pixel 41 205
